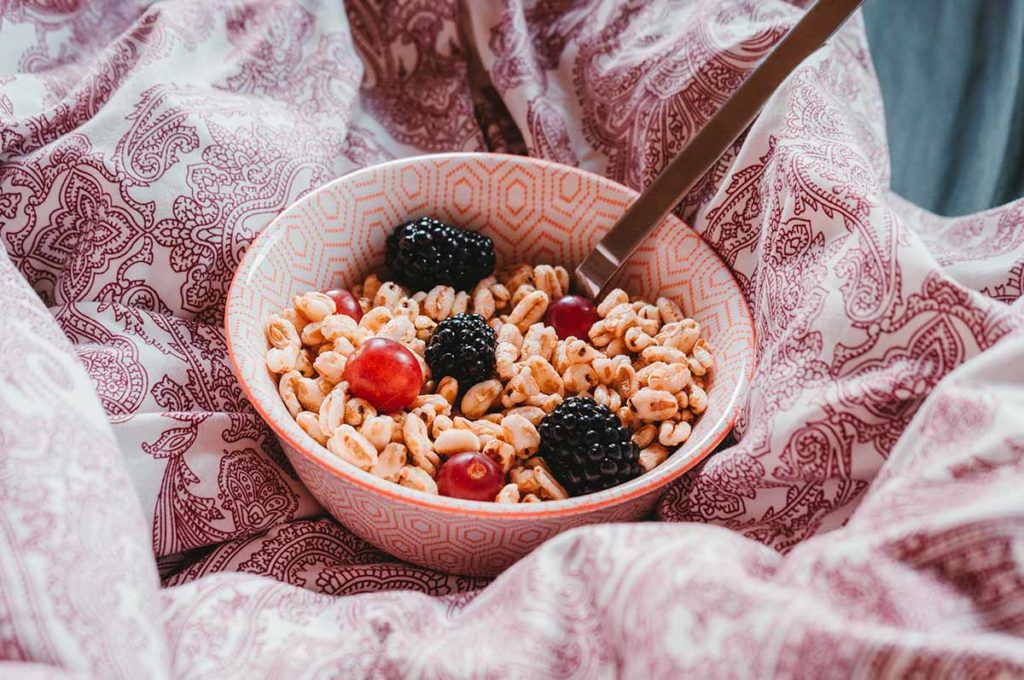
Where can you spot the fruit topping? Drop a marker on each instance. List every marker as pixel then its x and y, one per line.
pixel 472 476
pixel 572 316
pixel 426 252
pixel 346 303
pixel 587 447
pixel 384 373
pixel 462 346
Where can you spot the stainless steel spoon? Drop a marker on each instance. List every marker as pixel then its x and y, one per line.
pixel 678 177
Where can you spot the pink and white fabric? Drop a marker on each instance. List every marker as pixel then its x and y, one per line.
pixel 867 519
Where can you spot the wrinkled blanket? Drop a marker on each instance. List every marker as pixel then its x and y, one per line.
pixel 866 518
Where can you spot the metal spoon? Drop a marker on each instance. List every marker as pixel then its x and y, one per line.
pixel 678 177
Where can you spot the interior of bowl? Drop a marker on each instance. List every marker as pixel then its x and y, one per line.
pixel 535 211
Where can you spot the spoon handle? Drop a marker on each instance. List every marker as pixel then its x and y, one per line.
pixel 682 172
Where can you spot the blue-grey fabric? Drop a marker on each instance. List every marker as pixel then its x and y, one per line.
pixel 952 78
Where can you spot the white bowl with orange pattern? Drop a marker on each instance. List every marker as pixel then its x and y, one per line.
pixel 535 211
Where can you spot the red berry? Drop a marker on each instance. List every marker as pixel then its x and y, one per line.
pixel 384 373
pixel 346 303
pixel 472 476
pixel 571 315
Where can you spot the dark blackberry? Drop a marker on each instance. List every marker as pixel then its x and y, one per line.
pixel 586 447
pixel 462 346
pixel 426 252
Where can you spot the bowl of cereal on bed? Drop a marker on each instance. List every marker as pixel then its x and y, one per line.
pixel 409 333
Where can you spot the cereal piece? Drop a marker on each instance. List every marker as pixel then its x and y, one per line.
pixel 652 456
pixel 314 305
pixel 282 360
pixel 525 480
pixel 349 445
pixel 461 303
pixel 669 310
pixel 414 433
pixel 521 434
pixel 540 340
pixel 400 329
pixel 377 430
pixel 286 388
pixel 304 363
pixel 645 435
pixel 649 319
pixel 650 404
pixel 388 295
pixel 417 478
pixel 549 486
pixel 545 279
pixel 439 301
pixel 455 441
pixel 310 424
pixel 529 310
pixel 449 389
pixel 560 357
pixel 310 392
pixel 683 399
pixel 424 327
pixel 702 355
pixel 627 417
pixel 500 452
pixel 534 414
pixel 602 333
pixel 668 355
pixel 698 399
pixel 312 334
pixel 637 340
pixel 545 402
pixel 483 301
pixel 281 332
pixel 440 424
pixel 408 308
pixel 580 352
pixel 426 407
pixel 673 434
pixel 521 387
pixel 501 295
pixel 375 319
pixel 668 377
pixel 295 317
pixel 390 462
pixel 479 398
pixel 357 410
pixel 340 326
pixel 519 275
pixel 510 334
pixel 332 409
pixel 331 365
pixel 612 300
pixel 548 380
pixel 505 355
pixel 681 335
pixel 608 397
pixel 508 494
pixel 579 378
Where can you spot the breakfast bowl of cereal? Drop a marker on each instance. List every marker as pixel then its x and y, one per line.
pixel 410 334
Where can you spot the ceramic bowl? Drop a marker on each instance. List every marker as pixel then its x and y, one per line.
pixel 537 212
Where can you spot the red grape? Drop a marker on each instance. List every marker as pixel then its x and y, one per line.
pixel 472 476
pixel 346 303
pixel 571 315
pixel 384 373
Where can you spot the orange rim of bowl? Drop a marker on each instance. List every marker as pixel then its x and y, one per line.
pixel 483 508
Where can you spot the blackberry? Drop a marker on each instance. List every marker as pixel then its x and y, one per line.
pixel 462 346
pixel 586 447
pixel 426 252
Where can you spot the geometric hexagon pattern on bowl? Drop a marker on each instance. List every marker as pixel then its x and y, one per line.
pixel 536 211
